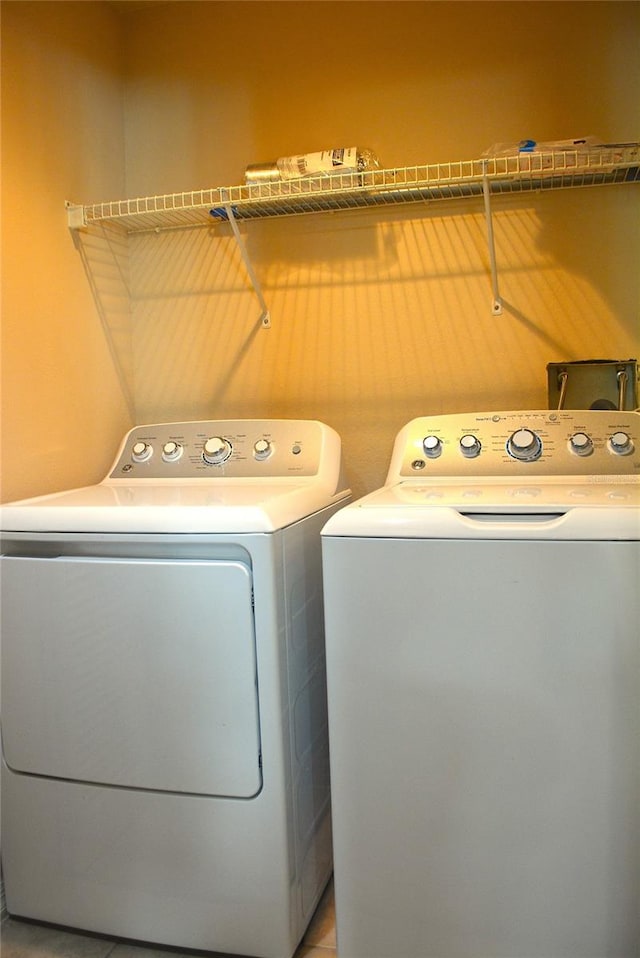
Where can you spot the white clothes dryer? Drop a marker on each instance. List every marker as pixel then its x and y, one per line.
pixel 164 731
pixel 483 653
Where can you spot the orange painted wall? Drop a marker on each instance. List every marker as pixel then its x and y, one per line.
pixel 378 316
pixel 66 378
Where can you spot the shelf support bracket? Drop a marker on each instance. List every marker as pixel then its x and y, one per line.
pixel 496 306
pixel 265 317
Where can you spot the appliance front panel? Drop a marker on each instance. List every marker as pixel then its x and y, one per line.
pixel 484 717
pixel 138 673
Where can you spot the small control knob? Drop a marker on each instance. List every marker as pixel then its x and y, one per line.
pixel 262 449
pixel 432 446
pixel 216 450
pixel 171 451
pixel 524 445
pixel 141 451
pixel 470 446
pixel 621 443
pixel 581 444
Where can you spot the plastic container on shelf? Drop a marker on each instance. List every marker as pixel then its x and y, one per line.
pixel 262 173
pixel 350 159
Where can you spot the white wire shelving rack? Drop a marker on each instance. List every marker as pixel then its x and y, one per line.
pixel 485 177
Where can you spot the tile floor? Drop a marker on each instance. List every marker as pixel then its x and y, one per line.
pixel 22 939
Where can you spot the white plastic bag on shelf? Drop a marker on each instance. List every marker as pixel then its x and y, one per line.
pixel 581 144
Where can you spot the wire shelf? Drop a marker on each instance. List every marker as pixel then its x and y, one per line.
pixel 524 172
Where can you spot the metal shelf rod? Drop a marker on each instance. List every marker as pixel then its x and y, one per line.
pixel 496 306
pixel 265 318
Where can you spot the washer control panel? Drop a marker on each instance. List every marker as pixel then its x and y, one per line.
pixel 222 448
pixel 537 443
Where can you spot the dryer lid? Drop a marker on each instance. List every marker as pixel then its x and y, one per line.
pixel 177 508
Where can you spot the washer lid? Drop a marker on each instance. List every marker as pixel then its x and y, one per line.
pixel 505 509
pixel 200 507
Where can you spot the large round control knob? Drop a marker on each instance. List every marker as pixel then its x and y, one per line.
pixel 470 446
pixel 581 444
pixel 525 445
pixel 141 451
pixel 432 446
pixel 171 451
pixel 216 450
pixel 621 443
pixel 262 449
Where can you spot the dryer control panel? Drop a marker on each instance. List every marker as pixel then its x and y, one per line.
pixel 210 449
pixel 523 443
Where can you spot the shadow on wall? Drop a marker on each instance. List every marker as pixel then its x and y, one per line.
pixel 104 253
pixel 377 316
pixel 578 228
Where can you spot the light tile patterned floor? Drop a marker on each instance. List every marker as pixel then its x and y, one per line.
pixel 320 939
pixel 22 939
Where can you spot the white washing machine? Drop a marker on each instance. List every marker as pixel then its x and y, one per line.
pixel 483 655
pixel 165 755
